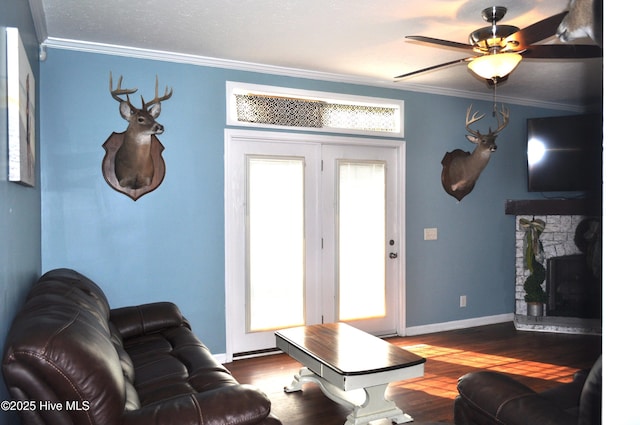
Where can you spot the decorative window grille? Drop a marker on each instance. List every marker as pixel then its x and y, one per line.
pixel 273 106
pixel 360 117
pixel 263 109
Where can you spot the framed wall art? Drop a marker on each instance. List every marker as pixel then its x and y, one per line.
pixel 21 112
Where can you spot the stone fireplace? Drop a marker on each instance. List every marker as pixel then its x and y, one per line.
pixel 571 307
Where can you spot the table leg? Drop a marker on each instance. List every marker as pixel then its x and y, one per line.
pixel 367 404
pixel 349 399
pixel 377 406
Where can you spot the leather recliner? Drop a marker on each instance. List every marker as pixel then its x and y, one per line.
pixel 70 359
pixel 492 398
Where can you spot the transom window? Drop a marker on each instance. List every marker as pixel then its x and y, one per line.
pixel 269 106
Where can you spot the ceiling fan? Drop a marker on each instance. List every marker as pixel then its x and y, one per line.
pixel 499 48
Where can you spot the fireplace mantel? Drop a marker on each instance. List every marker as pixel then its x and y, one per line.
pixel 582 206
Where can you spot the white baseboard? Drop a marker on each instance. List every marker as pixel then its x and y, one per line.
pixel 459 324
pixel 222 358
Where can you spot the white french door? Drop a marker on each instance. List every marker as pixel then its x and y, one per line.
pixel 313 234
pixel 360 228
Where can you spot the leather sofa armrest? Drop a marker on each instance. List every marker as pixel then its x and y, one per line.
pixel 567 396
pixel 147 318
pixel 237 404
pixel 488 397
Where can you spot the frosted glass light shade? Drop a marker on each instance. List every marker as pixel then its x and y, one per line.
pixel 495 66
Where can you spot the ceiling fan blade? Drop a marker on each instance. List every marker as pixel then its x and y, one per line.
pixel 431 68
pixel 440 42
pixel 537 32
pixel 562 51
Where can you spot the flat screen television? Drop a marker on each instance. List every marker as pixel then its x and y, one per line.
pixel 564 154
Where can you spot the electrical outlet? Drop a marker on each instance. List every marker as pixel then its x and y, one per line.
pixel 463 300
pixel 431 234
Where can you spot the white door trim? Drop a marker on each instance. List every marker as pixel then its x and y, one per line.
pixel 231 135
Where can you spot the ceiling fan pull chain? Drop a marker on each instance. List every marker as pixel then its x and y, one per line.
pixel 495 89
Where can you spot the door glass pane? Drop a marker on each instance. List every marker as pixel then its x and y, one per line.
pixel 275 228
pixel 361 240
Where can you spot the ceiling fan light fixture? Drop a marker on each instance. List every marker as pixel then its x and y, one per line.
pixel 494 66
pixel 486 38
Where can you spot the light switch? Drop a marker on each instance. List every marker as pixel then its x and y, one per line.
pixel 431 234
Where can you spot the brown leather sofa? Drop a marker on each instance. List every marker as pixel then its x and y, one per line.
pixel 70 359
pixel 491 398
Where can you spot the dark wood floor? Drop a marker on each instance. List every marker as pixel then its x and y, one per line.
pixel 540 360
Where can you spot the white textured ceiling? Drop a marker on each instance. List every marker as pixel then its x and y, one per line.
pixel 348 40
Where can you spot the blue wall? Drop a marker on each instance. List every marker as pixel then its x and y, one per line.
pixel 168 245
pixel 19 205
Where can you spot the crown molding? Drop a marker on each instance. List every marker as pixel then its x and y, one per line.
pixel 39 21
pixel 159 55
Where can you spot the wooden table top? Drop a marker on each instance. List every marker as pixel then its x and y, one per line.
pixel 348 350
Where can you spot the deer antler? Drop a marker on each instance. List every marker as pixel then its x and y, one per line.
pixel 119 91
pixel 504 112
pixel 471 120
pixel 167 94
pixel 505 120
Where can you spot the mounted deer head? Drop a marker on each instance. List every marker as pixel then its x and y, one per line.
pixel 134 166
pixel 461 169
pixel 584 19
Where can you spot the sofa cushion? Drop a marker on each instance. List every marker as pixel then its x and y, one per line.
pixel 174 362
pixel 147 318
